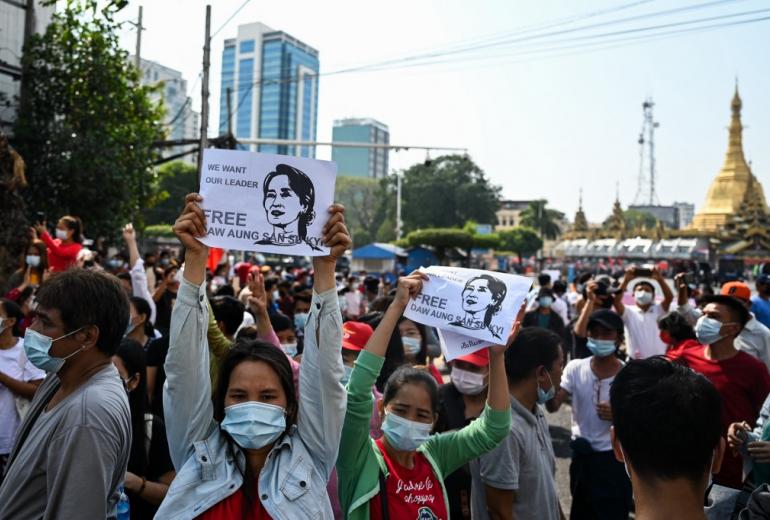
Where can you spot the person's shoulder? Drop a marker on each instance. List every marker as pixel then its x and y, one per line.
pixel 576 364
pixel 750 361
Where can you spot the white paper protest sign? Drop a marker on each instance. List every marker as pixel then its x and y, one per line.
pixel 266 202
pixel 471 302
pixel 455 345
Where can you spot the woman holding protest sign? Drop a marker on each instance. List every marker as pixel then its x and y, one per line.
pixel 256 451
pixel 402 474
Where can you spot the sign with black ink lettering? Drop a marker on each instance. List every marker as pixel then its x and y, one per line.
pixel 266 202
pixel 455 345
pixel 470 302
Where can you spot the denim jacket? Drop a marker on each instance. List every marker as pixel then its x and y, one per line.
pixel 292 484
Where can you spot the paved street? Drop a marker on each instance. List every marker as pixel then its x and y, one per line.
pixel 560 433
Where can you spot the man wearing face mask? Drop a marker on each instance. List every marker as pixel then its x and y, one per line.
pixel 667 431
pixel 741 379
pixel 516 479
pixel 460 402
pixel 544 316
pixel 72 448
pixel 600 487
pixel 641 320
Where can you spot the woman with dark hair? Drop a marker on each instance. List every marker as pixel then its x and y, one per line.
pixel 401 475
pixel 414 337
pixel 150 471
pixel 289 202
pixel 677 333
pixel 63 250
pixel 18 377
pixel 482 299
pixel 257 451
pixel 139 325
pixel 32 270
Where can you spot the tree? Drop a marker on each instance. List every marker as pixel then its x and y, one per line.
pixel 366 204
pixel 542 219
pixel 175 180
pixel 440 239
pixel 86 127
pixel 446 193
pixel 523 241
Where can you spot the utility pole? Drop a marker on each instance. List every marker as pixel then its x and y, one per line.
pixel 205 93
pixel 399 225
pixel 139 29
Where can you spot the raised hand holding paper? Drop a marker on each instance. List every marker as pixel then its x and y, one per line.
pixel 469 302
pixel 266 202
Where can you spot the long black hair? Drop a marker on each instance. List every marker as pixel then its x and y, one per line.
pixel 394 355
pixel 143 308
pixel 303 187
pixel 75 225
pixel 253 350
pixel 13 310
pixel 132 354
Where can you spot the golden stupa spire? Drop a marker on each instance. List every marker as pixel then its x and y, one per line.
pixel 728 189
pixel 581 223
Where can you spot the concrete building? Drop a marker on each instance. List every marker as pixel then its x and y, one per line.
pixel 12 22
pixel 361 162
pixel 273 79
pixel 509 214
pixel 181 121
pixel 686 213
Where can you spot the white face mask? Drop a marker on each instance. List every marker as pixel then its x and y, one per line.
pixel 467 382
pixel 643 297
pixel 61 234
pixel 32 260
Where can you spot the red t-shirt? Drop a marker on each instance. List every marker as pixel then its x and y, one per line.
pixel 60 256
pixel 232 508
pixel 676 351
pixel 744 383
pixel 413 494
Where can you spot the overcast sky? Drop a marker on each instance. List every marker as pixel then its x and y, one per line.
pixel 543 117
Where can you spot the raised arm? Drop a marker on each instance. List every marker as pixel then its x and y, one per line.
pixel 581 325
pixel 187 391
pixel 668 294
pixel 322 397
pixel 681 289
pixel 139 284
pixel 618 302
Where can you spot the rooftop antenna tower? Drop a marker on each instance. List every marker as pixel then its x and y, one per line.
pixel 647 144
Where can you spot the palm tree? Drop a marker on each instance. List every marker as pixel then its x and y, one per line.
pixel 543 219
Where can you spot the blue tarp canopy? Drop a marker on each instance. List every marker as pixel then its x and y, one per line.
pixel 378 251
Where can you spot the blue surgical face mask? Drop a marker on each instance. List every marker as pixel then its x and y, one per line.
pixel 37 348
pixel 290 349
pixel 300 320
pixel 643 297
pixel 601 347
pixel 543 396
pixel 707 330
pixel 346 376
pixel 403 434
pixel 545 301
pixel 411 345
pixel 254 425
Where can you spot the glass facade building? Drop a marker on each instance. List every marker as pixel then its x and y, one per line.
pixel 361 162
pixel 274 82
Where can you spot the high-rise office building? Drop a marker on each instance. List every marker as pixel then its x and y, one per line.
pixel 181 121
pixel 12 20
pixel 273 79
pixel 361 162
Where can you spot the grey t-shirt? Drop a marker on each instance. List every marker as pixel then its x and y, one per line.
pixel 68 462
pixel 523 462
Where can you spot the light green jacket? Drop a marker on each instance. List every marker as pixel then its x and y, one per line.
pixel 360 462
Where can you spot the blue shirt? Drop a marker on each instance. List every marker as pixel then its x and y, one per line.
pixel 761 309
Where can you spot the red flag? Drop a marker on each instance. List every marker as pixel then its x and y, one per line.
pixel 215 255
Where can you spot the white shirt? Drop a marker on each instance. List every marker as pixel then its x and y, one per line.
pixel 559 306
pixel 754 339
pixel 587 391
pixel 642 332
pixel 353 301
pixel 13 363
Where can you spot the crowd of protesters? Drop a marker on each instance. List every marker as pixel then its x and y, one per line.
pixel 167 386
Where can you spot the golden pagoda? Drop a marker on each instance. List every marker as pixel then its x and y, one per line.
pixel 728 190
pixel 581 223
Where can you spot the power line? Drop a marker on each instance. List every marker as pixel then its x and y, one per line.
pixel 231 17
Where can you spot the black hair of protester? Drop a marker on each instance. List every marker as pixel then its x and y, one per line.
pixel 408 375
pixel 12 310
pixel 655 403
pixel 143 308
pixel 677 327
pixel 229 311
pixel 131 353
pixel 543 279
pixel 84 298
pixel 736 307
pixel 532 348
pixel 75 225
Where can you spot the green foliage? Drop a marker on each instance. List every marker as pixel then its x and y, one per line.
pixel 490 241
pixel 366 203
pixel 159 230
pixel 175 180
pixel 85 126
pixel 543 219
pixel 446 193
pixel 524 241
pixel 639 219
